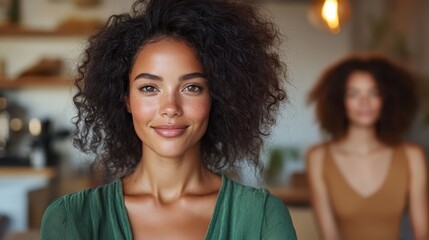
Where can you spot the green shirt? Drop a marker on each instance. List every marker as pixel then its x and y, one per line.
pixel 240 212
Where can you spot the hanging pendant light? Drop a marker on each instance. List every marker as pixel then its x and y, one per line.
pixel 329 14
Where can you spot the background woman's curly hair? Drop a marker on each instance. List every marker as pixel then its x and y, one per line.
pixel 238 50
pixel 395 84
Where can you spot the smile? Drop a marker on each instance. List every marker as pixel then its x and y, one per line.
pixel 170 131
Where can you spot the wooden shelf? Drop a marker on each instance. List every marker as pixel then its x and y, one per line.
pixel 35 81
pixel 47 172
pixel 10 30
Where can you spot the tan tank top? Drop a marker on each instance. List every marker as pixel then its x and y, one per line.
pixel 375 217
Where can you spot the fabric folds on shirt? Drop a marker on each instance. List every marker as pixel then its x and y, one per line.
pixel 240 212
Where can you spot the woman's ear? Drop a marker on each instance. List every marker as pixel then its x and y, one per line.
pixel 127 103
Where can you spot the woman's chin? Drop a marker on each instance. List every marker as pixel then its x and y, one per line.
pixel 364 123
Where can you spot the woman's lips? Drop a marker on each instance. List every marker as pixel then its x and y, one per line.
pixel 365 114
pixel 170 131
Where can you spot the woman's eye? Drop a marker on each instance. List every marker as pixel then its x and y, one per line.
pixel 375 93
pixel 147 89
pixel 193 89
pixel 351 94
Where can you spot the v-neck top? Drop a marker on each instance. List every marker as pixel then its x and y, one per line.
pixel 240 212
pixel 377 216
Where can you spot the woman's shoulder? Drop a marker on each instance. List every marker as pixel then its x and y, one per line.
pixel 84 198
pixel 412 148
pixel 253 196
pixel 244 191
pixel 316 154
pixel 415 155
pixel 257 206
pixel 77 213
pixel 318 150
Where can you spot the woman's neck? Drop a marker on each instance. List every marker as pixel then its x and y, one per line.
pixel 167 179
pixel 360 140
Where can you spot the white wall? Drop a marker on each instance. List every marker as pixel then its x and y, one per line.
pixel 307 51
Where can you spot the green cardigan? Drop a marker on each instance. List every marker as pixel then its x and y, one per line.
pixel 240 212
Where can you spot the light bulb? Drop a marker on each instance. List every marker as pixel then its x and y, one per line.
pixel 329 14
pixel 35 127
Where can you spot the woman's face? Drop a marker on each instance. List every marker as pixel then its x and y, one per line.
pixel 362 100
pixel 169 98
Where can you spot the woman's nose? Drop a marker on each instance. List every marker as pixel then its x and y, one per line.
pixel 170 105
pixel 365 100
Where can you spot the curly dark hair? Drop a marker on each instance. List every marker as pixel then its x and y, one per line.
pixel 238 50
pixel 395 83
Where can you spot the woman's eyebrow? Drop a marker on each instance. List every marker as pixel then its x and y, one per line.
pixel 148 76
pixel 181 78
pixel 191 76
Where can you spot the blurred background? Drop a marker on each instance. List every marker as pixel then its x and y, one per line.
pixel 41 42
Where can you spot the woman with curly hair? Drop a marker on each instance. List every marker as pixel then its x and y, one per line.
pixel 365 177
pixel 168 97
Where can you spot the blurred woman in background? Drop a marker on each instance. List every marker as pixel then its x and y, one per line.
pixel 366 176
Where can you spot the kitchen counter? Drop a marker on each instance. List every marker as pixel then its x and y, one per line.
pixel 296 193
pixel 15 185
pixel 292 195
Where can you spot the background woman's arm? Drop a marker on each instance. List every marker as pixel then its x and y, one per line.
pixel 319 194
pixel 418 191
